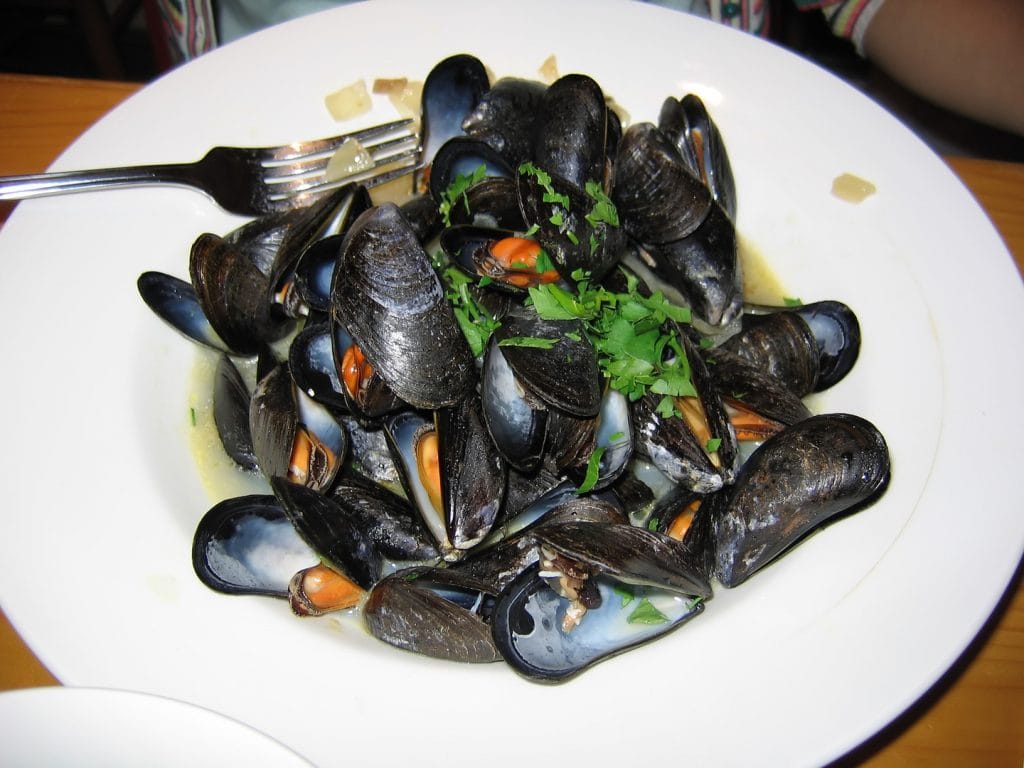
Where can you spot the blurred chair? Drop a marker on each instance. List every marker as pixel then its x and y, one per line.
pixel 99 27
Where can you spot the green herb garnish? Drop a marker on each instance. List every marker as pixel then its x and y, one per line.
pixel 593 470
pixel 637 349
pixel 646 613
pixel 625 592
pixel 476 323
pixel 713 444
pixel 535 342
pixel 457 189
pixel 790 301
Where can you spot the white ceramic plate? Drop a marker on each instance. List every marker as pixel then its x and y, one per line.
pixel 797 666
pixel 84 727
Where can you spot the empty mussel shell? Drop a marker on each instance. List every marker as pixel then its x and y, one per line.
pixel 530 627
pixel 246 545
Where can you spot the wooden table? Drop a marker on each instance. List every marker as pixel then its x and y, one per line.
pixel 974 716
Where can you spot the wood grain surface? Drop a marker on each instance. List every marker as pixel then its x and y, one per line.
pixel 974 716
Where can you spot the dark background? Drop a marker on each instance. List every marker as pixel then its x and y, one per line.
pixel 112 40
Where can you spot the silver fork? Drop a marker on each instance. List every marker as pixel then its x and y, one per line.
pixel 246 181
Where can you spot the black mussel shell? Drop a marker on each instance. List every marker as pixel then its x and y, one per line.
pixel 464 156
pixel 570 132
pixel 571 236
pixel 632 555
pixel 672 444
pixel 687 122
pixel 504 117
pixel 836 332
pixel 235 295
pixel 388 519
pixel 311 364
pixel 658 199
pixel 517 423
pixel 781 345
pixel 805 475
pixel 231 414
pixel 390 299
pixel 247 546
pixel 450 92
pixel 564 376
pixel 174 301
pixel 330 532
pixel 705 267
pixel 528 624
pixel 311 247
pixel 279 416
pixel 490 202
pixel 745 384
pixel 438 618
pixel 473 474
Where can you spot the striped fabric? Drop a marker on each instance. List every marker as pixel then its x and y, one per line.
pixel 189 29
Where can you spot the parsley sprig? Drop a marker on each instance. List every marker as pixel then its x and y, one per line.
pixel 637 347
pixel 477 323
pixel 457 190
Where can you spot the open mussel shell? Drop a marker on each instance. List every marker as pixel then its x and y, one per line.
pixel 450 92
pixel 293 435
pixel 247 545
pixel 810 472
pixel 312 367
pixel 428 611
pixel 780 344
pixel 632 555
pixel 529 618
pixel 836 332
pixel 363 391
pixel 389 298
pixel 758 403
pixel 235 295
pixel 463 156
pixel 809 347
pixel 592 452
pixel 564 376
pixel 517 422
pixel 231 399
pixel 491 202
pixel 678 444
pixel 451 472
pixel 659 199
pixel 507 260
pixel 302 272
pixel 330 532
pixel 174 301
pixel 687 122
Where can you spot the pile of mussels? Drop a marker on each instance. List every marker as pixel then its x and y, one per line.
pixel 455 461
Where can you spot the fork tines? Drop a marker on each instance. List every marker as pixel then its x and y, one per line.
pixel 298 169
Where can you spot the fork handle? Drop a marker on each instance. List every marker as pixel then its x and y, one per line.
pixel 64 182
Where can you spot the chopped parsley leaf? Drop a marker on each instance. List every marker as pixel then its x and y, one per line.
pixel 646 613
pixel 593 471
pixel 535 342
pixel 457 189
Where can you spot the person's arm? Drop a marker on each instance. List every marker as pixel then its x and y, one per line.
pixel 966 55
